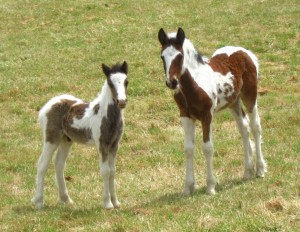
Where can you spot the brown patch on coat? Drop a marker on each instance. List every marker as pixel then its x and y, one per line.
pixel 245 73
pixel 82 135
pixel 78 110
pixel 198 102
pixel 112 88
pixel 220 63
pixel 96 108
pixel 54 128
pixel 111 131
pixel 244 76
pixel 175 67
pixel 182 104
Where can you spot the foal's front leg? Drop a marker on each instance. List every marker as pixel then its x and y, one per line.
pixel 105 173
pixel 112 189
pixel 208 151
pixel 189 144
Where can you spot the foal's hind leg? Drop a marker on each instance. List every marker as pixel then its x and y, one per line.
pixel 42 166
pixel 60 164
pixel 243 126
pixel 261 166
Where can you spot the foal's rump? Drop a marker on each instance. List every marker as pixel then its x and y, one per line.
pixel 61 102
pixel 243 65
pixel 229 50
pixel 52 114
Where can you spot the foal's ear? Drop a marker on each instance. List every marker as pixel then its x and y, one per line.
pixel 180 37
pixel 106 70
pixel 162 37
pixel 125 67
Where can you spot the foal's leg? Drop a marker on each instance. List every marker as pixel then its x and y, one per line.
pixel 105 173
pixel 243 126
pixel 112 165
pixel 42 166
pixel 261 166
pixel 60 164
pixel 189 141
pixel 208 150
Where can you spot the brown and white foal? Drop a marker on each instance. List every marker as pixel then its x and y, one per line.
pixel 203 87
pixel 66 119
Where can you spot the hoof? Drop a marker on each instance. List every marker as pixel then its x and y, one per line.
pixel 248 174
pixel 260 174
pixel 116 204
pixel 188 190
pixel 261 170
pixel 67 201
pixel 108 206
pixel 37 202
pixel 211 191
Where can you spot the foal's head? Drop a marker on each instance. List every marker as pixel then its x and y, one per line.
pixel 172 56
pixel 117 81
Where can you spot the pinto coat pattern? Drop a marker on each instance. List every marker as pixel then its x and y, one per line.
pixel 66 119
pixel 203 87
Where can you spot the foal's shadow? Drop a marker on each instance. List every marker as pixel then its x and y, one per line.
pixel 168 199
pixel 63 210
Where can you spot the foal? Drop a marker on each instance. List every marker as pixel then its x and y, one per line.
pixel 66 119
pixel 203 87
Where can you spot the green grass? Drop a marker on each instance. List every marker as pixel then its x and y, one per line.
pixel 53 47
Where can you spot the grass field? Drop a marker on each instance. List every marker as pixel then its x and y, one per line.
pixel 52 47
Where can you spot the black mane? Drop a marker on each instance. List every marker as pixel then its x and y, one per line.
pixel 199 58
pixel 117 68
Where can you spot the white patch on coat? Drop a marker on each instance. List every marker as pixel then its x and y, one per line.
pixel 169 55
pixel 118 80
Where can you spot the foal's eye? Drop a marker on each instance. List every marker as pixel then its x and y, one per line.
pixel 126 83
pixel 162 57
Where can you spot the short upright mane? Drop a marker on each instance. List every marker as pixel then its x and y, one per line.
pixel 117 68
pixel 192 56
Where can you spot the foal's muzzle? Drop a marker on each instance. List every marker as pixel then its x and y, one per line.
pixel 173 84
pixel 122 103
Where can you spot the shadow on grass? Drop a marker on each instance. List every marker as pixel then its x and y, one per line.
pixel 170 198
pixel 74 211
pixel 66 211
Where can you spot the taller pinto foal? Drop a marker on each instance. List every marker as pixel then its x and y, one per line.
pixel 203 87
pixel 66 119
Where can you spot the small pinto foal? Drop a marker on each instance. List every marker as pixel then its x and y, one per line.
pixel 66 119
pixel 203 87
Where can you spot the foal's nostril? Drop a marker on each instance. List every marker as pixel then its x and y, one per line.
pixel 174 83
